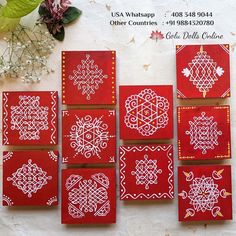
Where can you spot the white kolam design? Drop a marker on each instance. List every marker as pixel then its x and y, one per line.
pixel 89 136
pixel 88 195
pixel 29 118
pixel 88 77
pixel 146 112
pixel 203 133
pixel 29 178
pixel 155 149
pixel 203 71
pixel 146 172
pixel 204 193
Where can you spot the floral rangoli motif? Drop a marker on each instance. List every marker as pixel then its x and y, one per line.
pixel 88 195
pixel 29 178
pixel 146 112
pixel 146 172
pixel 203 72
pixel 88 77
pixel 203 132
pixel 204 193
pixel 89 136
pixel 29 118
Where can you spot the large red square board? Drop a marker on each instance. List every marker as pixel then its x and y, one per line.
pixel 88 196
pixel 30 118
pixel 89 77
pixel 204 193
pixel 203 132
pixel 146 172
pixel 30 178
pixel 203 71
pixel 146 112
pixel 88 136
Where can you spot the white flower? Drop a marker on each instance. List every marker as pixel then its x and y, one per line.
pixel 186 72
pixel 219 71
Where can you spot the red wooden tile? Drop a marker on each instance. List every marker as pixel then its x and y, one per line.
pixel 146 112
pixel 146 172
pixel 88 136
pixel 30 118
pixel 203 71
pixel 204 132
pixel 204 193
pixel 88 196
pixel 89 77
pixel 30 178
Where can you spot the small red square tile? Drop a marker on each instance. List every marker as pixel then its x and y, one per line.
pixel 30 178
pixel 146 112
pixel 203 71
pixel 88 196
pixel 30 118
pixel 88 136
pixel 204 193
pixel 146 172
pixel 89 77
pixel 204 132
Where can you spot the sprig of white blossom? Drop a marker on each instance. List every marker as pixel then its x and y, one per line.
pixel 26 54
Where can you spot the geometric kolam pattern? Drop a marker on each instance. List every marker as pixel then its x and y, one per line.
pixel 29 118
pixel 88 196
pixel 146 112
pixel 203 132
pixel 88 77
pixel 146 172
pixel 88 136
pixel 30 178
pixel 203 72
pixel 204 195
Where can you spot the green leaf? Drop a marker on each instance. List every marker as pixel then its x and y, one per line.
pixel 19 8
pixel 60 35
pixel 8 24
pixel 71 14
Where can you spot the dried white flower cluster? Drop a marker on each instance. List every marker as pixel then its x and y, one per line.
pixel 27 53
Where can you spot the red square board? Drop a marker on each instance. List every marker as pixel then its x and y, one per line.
pixel 89 77
pixel 30 178
pixel 146 172
pixel 88 196
pixel 203 71
pixel 204 132
pixel 204 193
pixel 146 112
pixel 88 136
pixel 30 118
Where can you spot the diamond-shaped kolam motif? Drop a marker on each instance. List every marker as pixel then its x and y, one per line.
pixel 203 71
pixel 30 178
pixel 204 132
pixel 88 77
